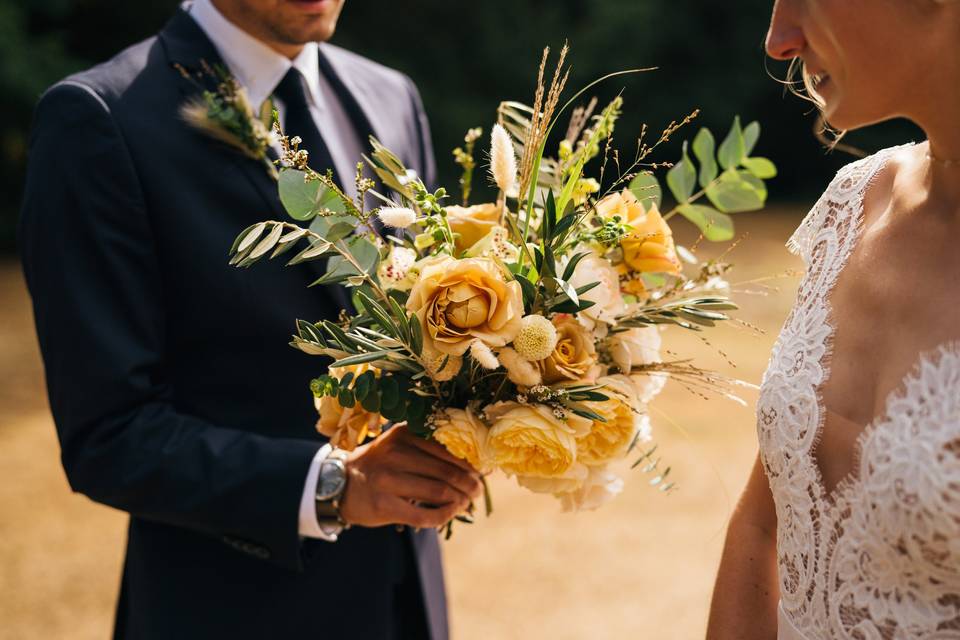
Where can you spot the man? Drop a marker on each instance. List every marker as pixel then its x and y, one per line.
pixel 174 393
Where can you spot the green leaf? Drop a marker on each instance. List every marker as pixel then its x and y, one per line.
pixel 751 134
pixel 345 397
pixel 338 231
pixel 682 178
pixel 305 199
pixel 417 414
pixel 704 147
pixel 389 392
pixel 733 148
pixel 567 289
pixel 396 413
pixel 371 402
pixel 529 291
pixel 549 218
pixel 416 335
pixel 247 237
pixel 734 193
pixel 760 167
pixel 340 269
pixel 363 385
pixel 715 226
pixel 572 265
pixel 646 188
pixel 361 358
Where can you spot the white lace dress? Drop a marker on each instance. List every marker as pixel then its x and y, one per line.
pixel 879 558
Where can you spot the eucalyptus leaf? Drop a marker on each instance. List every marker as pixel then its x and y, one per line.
pixel 733 148
pixel 762 168
pixel 304 199
pixel 751 133
pixel 646 188
pixel 704 148
pixel 682 178
pixel 732 193
pixel 714 225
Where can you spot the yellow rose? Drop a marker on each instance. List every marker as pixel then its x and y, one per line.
pixel 649 246
pixel 472 223
pixel 574 356
pixel 464 435
pixel 459 301
pixel 609 440
pixel 529 441
pixel 347 427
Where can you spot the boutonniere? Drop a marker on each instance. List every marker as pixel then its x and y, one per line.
pixel 225 114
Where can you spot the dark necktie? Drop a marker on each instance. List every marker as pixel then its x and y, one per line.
pixel 298 121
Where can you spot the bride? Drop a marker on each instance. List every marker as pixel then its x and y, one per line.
pixel 849 526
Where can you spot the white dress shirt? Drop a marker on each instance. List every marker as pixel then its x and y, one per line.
pixel 260 69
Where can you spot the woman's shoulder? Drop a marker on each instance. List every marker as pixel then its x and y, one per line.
pixel 845 192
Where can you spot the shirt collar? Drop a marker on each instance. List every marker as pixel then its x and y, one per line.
pixel 255 65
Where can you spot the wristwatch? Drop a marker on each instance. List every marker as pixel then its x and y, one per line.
pixel 331 483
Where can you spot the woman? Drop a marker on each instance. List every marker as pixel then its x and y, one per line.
pixel 850 523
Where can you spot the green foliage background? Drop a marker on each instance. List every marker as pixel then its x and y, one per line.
pixel 466 56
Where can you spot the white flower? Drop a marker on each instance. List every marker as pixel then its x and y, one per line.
pixel 503 162
pixel 649 385
pixel 537 338
pixel 520 371
pixel 606 295
pixel 408 177
pixel 394 271
pixel 397 217
pixel 496 243
pixel 600 487
pixel 483 355
pixel 635 347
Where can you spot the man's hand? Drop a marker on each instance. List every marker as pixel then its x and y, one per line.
pixel 402 479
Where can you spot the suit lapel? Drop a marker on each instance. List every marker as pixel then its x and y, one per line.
pixel 189 47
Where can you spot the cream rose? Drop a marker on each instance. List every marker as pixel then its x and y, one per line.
pixel 635 347
pixel 609 440
pixel 600 487
pixel 608 302
pixel 472 223
pixel 465 436
pixel 459 301
pixel 529 441
pixel 649 247
pixel 574 356
pixel 347 427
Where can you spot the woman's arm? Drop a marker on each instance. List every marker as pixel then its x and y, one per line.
pixel 744 605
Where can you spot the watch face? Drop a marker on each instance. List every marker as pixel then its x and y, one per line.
pixel 332 480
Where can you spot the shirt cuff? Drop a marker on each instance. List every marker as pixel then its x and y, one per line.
pixel 308 525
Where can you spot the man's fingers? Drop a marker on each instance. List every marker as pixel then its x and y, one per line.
pixel 421 489
pixel 414 461
pixel 423 517
pixel 439 451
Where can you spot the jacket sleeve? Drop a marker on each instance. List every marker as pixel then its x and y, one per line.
pixel 428 164
pixel 90 260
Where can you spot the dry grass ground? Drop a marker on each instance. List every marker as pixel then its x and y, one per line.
pixel 641 567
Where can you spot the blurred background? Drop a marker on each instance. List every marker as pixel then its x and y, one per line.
pixel 644 565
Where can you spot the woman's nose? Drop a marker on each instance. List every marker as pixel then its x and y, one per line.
pixel 785 37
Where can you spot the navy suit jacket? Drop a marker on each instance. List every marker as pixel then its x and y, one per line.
pixel 175 395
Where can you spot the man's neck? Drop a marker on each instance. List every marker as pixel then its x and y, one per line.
pixel 255 28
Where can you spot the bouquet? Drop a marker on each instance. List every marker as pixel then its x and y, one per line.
pixel 522 334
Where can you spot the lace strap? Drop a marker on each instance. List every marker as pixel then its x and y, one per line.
pixel 850 183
